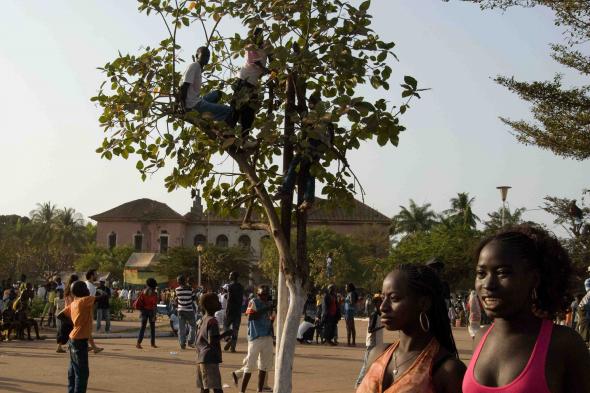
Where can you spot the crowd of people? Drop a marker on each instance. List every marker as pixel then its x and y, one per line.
pixel 521 287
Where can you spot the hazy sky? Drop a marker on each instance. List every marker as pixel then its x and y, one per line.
pixel 454 142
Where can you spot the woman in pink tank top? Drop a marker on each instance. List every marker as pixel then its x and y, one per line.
pixel 521 278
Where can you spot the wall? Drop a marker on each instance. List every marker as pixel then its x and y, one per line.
pixel 126 231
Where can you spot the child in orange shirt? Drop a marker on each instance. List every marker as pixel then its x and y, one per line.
pixel 80 312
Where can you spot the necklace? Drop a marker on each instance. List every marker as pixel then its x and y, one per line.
pixel 397 366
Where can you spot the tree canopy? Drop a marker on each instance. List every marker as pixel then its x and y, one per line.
pixel 561 113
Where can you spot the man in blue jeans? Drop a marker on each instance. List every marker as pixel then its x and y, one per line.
pixel 317 138
pixel 185 299
pixel 103 312
pixel 190 90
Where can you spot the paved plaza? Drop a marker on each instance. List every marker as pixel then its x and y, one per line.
pixel 35 367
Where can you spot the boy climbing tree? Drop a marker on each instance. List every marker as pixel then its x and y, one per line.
pixel 326 46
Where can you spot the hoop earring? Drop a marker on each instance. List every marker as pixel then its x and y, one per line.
pixel 534 296
pixel 427 328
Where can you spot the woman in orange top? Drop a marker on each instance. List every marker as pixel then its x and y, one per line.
pixel 425 358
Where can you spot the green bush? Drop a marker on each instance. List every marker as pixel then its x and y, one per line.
pixel 37 306
pixel 116 306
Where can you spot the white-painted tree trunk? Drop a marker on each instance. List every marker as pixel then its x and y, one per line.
pixel 282 305
pixel 284 357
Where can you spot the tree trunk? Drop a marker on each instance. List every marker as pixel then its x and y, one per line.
pixel 284 358
pixel 286 211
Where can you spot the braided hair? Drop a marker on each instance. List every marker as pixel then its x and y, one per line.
pixel 423 281
pixel 546 254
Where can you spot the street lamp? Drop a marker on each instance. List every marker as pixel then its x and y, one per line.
pixel 504 194
pixel 199 251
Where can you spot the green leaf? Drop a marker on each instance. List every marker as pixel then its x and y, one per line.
pixel 411 81
pixel 365 6
pixel 382 138
pixel 139 165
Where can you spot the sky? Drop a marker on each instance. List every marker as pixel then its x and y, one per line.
pixel 454 141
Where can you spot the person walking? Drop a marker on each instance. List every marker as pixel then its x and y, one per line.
pixel 425 358
pixel 185 299
pixel 349 313
pixel 260 345
pixel 146 304
pixel 331 314
pixel 233 312
pixel 374 334
pixel 521 276
pixel 60 305
pixel 208 346
pixel 103 308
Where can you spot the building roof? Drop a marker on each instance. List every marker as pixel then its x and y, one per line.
pixel 323 212
pixel 355 212
pixel 140 210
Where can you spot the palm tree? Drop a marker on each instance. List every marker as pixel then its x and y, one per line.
pixel 413 219
pixel 461 210
pixel 44 214
pixel 510 218
pixel 70 234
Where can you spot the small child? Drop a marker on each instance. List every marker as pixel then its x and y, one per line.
pixel 80 312
pixel 208 345
pixel 374 334
pixel 59 304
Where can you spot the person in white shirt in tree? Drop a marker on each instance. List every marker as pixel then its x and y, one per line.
pixel 190 90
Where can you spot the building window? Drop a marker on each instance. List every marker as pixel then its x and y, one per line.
pixel 200 240
pixel 222 241
pixel 138 241
pixel 163 242
pixel 112 240
pixel 245 242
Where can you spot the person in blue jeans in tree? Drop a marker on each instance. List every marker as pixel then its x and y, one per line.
pixel 190 90
pixel 317 138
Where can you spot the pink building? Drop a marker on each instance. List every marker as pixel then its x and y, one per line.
pixel 152 226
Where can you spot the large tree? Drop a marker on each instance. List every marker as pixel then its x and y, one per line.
pixel 321 46
pixel 562 113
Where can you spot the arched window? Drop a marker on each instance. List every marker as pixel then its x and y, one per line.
pixel 245 242
pixel 138 241
pixel 222 241
pixel 163 242
pixel 200 240
pixel 112 240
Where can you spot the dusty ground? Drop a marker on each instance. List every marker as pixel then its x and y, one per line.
pixel 34 367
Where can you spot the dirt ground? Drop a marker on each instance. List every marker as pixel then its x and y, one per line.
pixel 35 367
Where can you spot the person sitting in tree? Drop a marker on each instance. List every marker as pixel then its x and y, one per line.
pixel 317 138
pixel 245 102
pixel 190 90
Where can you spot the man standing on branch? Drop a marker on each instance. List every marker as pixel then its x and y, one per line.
pixel 233 312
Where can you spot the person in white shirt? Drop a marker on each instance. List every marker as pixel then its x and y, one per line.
pixel 90 280
pixel 190 90
pixel 245 102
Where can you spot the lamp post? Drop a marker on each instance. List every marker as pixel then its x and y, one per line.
pixel 504 194
pixel 199 251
